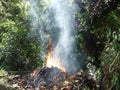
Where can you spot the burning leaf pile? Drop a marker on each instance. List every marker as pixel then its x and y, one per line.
pixel 54 79
pixel 47 78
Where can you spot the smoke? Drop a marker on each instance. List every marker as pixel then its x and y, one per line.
pixel 64 20
pixel 63 12
pixel 57 23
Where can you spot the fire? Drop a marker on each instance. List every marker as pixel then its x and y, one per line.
pixel 53 61
pixel 34 72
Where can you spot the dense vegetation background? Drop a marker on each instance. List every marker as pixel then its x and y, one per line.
pixel 97 36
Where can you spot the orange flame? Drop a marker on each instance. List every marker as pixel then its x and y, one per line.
pixel 53 61
pixel 34 72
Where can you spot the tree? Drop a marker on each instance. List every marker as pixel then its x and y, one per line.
pixel 99 31
pixel 19 51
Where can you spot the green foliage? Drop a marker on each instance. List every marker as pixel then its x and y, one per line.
pixel 99 35
pixel 18 51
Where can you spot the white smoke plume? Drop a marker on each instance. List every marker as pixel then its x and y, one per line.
pixel 63 19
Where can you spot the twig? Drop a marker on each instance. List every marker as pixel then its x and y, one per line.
pixel 110 68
